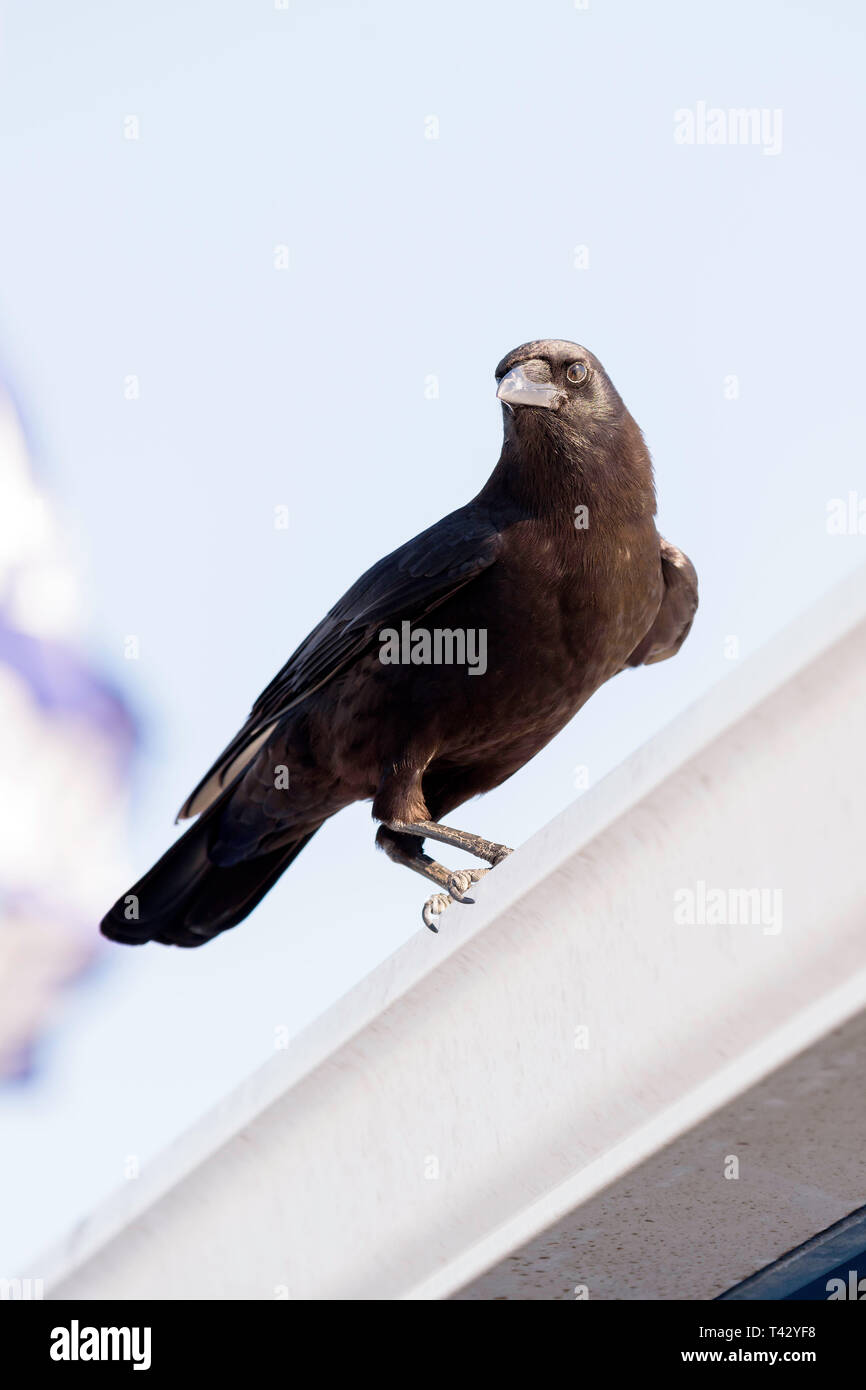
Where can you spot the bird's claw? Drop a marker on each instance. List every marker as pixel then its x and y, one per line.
pixel 434 907
pixel 462 880
pixel 459 884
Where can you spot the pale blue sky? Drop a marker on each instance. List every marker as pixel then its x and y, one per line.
pixel 408 256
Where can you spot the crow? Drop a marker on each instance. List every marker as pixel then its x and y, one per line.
pixel 447 666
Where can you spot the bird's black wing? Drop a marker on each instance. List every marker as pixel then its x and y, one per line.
pixel 676 610
pixel 404 585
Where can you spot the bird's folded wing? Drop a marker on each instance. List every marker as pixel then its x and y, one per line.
pixel 404 585
pixel 676 611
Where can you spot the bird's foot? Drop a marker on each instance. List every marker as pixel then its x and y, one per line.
pixel 462 880
pixel 434 907
pixel 459 883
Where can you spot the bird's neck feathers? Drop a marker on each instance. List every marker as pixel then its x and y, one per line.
pixel 550 468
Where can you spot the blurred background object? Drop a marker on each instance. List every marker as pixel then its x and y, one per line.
pixel 65 744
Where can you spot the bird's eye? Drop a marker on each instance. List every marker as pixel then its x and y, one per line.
pixel 577 373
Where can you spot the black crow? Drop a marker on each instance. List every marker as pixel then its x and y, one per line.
pixel 447 666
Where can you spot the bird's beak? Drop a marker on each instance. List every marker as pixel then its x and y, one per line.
pixel 518 388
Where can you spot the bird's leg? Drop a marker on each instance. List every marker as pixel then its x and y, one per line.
pixel 460 839
pixel 457 882
pixel 407 851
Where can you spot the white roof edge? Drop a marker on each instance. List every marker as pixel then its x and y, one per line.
pixel 721 1087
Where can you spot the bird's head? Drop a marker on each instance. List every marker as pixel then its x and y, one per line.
pixel 566 426
pixel 552 383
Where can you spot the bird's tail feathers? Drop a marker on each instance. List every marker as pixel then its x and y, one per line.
pixel 186 899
